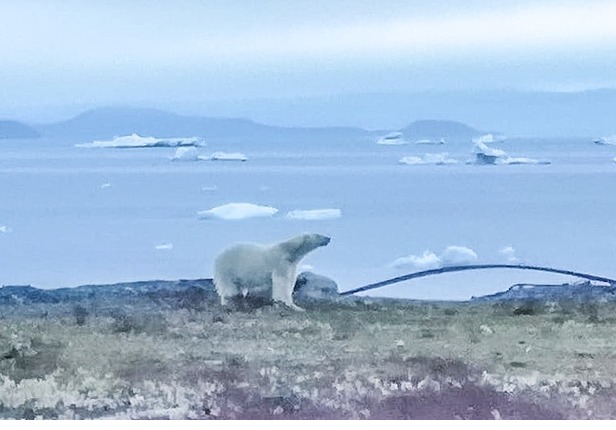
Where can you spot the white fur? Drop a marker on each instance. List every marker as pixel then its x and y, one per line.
pixel 270 271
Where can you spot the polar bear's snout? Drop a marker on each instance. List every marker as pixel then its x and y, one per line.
pixel 324 240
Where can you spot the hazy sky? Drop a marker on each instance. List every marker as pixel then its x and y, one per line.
pixel 99 52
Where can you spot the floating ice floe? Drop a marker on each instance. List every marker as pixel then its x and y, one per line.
pixel 224 156
pixel 522 160
pixel 237 211
pixel 433 159
pixel 489 138
pixel 136 141
pixel 608 140
pixel 393 138
pixel 186 153
pixel 485 154
pixel 452 256
pixel 164 246
pixel 315 214
pixel 430 142
pixel 105 185
pixel 614 159
pixel 209 188
pixel 190 153
pixel 4 229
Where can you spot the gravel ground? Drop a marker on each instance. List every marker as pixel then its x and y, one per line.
pixel 361 359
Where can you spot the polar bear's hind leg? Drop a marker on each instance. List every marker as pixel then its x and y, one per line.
pixel 226 288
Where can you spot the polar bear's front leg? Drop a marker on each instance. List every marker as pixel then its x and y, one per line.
pixel 283 283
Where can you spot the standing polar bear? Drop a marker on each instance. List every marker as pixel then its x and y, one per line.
pixel 268 271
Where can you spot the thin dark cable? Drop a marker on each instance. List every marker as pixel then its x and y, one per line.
pixel 475 267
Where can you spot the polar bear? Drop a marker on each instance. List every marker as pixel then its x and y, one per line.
pixel 268 271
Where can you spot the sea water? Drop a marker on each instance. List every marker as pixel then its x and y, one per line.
pixel 74 216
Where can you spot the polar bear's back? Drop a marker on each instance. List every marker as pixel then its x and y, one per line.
pixel 245 263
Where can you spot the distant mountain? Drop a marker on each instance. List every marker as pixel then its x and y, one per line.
pixel 435 130
pixel 515 113
pixel 106 123
pixel 583 291
pixel 16 130
pixel 111 122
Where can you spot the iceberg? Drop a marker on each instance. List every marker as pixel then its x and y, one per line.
pixel 441 159
pixel 237 211
pixel 224 156
pixel 482 148
pixel 314 214
pixel 190 153
pixel 430 142
pixel 489 138
pixel 136 141
pixel 483 159
pixel 411 160
pixel 186 153
pixel 608 140
pixel 4 229
pixel 393 138
pixel 485 154
pixel 522 160
pixel 164 246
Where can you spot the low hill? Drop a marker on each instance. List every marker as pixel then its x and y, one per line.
pixel 436 130
pixel 16 130
pixel 106 123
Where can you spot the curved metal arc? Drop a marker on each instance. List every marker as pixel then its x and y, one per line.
pixel 431 272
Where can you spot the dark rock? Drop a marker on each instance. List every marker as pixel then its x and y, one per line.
pixel 182 291
pixel 197 294
pixel 311 288
pixel 577 292
pixel 12 295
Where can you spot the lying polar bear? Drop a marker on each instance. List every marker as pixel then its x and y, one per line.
pixel 268 271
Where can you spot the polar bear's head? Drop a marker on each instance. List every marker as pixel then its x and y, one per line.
pixel 301 245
